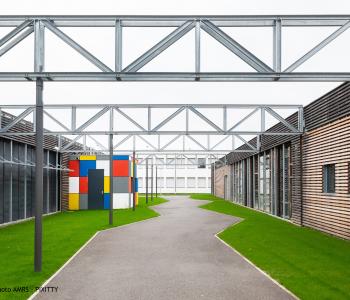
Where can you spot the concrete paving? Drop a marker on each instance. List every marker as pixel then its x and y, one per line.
pixel 174 256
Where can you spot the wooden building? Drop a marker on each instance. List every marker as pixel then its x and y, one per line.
pixel 305 179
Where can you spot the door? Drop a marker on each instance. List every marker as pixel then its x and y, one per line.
pixel 95 189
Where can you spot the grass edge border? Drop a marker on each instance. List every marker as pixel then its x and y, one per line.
pixel 251 263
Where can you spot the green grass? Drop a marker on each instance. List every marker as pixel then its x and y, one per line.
pixel 63 234
pixel 309 263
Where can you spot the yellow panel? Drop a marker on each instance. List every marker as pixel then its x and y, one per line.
pixel 106 184
pixel 137 198
pixel 132 169
pixel 73 201
pixel 87 157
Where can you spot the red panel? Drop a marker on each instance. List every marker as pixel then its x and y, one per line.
pixel 83 185
pixel 130 190
pixel 121 168
pixel 73 165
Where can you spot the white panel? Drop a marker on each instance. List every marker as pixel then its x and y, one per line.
pixel 170 182
pixel 180 182
pixel 202 182
pixel 103 164
pixel 74 185
pixel 121 200
pixel 191 182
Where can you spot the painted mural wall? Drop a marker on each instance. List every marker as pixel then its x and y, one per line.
pixel 89 182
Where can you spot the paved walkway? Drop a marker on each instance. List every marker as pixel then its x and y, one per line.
pixel 174 256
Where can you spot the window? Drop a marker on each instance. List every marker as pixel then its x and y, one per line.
pixel 180 163
pixel 191 182
pixel 209 182
pixel 180 182
pixel 329 178
pixel 170 182
pixel 202 182
pixel 140 182
pixel 201 163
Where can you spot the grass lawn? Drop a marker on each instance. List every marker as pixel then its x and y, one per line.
pixel 63 234
pixel 309 263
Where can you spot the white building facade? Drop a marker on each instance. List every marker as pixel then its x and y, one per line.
pixel 181 175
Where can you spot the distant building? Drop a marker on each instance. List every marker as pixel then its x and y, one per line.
pixel 188 174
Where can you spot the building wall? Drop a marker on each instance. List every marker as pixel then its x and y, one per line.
pixel 189 178
pixel 327 145
pixel 219 186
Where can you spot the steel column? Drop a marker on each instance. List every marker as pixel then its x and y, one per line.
pixel 147 180
pixel 111 179
pixel 133 181
pixel 152 181
pixel 39 157
pixel 156 181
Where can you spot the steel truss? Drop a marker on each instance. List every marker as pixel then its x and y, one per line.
pixel 26 25
pixel 139 133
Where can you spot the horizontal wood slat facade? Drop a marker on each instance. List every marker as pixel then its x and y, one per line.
pixel 327 212
pixel 326 141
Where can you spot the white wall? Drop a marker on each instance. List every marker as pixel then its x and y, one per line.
pixel 190 179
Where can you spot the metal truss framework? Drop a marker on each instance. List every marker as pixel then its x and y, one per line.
pixel 116 117
pixel 212 25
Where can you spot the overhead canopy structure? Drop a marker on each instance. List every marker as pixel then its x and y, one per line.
pixel 23 26
pixel 212 25
pixel 181 124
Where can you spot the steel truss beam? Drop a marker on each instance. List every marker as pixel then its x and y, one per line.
pixel 23 27
pixel 223 126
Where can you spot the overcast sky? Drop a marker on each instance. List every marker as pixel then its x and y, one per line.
pixel 179 57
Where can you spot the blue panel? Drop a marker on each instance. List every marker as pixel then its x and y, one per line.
pixel 136 185
pixel 120 157
pixel 85 165
pixel 106 201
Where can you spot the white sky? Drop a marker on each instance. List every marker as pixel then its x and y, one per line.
pixel 179 57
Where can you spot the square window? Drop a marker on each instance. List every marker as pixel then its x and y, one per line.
pixel 329 178
pixel 191 182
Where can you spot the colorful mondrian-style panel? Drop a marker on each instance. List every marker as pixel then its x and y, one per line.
pixel 122 182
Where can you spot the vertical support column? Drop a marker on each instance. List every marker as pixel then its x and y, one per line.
pixel 175 174
pixel 146 180
pixel 283 181
pixel 224 118
pixel 198 47
pixel 118 46
pixel 152 181
pixel 11 181
pixel 25 180
pixel 214 179
pixel 277 45
pixel 156 180
pixel 39 143
pixel 111 179
pixel 133 180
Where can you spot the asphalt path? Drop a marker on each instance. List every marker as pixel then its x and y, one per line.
pixel 173 256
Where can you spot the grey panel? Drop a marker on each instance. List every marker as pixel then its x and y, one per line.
pixel 120 184
pixel 83 201
pixel 102 157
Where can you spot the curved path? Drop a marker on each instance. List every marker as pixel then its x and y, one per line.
pixel 174 256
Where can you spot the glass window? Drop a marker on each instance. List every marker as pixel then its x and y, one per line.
pixel 180 182
pixel 191 182
pixel 209 182
pixel 170 182
pixel 180 162
pixel 329 178
pixel 201 163
pixel 202 182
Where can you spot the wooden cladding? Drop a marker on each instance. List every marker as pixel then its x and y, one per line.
pixel 323 147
